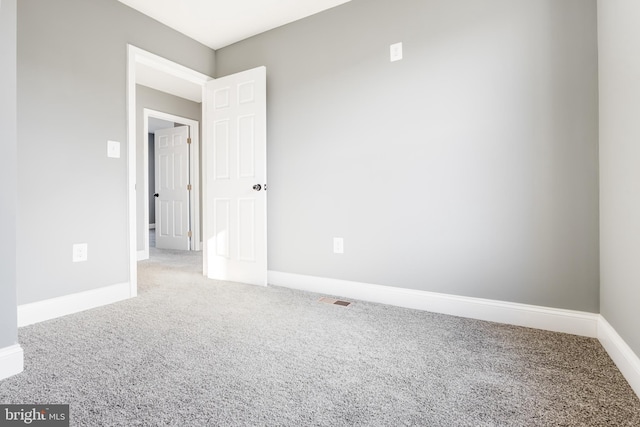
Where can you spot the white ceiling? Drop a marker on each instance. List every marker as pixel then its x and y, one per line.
pixel 219 23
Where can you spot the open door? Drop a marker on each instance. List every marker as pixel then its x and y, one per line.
pixel 235 172
pixel 172 188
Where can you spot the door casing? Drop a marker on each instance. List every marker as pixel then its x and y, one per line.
pixel 173 71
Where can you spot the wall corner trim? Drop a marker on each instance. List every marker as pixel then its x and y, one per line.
pixel 143 254
pixel 550 319
pixel 11 361
pixel 622 355
pixel 40 311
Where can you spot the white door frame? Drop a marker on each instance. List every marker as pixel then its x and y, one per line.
pixel 194 176
pixel 137 56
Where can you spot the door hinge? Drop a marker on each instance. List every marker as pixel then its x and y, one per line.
pixel 189 187
pixel 188 140
pixel 189 234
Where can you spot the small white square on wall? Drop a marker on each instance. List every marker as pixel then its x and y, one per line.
pixel 395 52
pixel 80 252
pixel 113 149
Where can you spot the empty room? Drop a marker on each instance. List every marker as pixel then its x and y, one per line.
pixel 322 212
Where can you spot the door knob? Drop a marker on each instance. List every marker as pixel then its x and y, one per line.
pixel 156 195
pixel 257 187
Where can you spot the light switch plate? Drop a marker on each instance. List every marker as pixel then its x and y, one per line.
pixel 113 149
pixel 338 245
pixel 395 52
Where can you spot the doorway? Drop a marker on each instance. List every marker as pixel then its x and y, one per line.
pixel 235 152
pixel 153 120
pixel 150 70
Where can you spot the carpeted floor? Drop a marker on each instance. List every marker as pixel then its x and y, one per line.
pixel 195 352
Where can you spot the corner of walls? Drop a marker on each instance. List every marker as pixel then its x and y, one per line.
pixel 619 155
pixel 622 355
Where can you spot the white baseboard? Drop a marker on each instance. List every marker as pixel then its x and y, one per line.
pixel 40 311
pixel 621 354
pixel 11 361
pixel 550 319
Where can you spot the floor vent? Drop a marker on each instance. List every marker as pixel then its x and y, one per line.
pixel 335 302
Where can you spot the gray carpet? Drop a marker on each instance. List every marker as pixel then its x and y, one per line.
pixel 194 352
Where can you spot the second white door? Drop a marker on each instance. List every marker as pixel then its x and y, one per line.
pixel 172 188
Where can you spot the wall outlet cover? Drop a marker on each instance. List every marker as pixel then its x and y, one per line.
pixel 80 252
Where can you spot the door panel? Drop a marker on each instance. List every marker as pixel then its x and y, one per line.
pixel 246 230
pixel 221 150
pixel 235 161
pixel 172 180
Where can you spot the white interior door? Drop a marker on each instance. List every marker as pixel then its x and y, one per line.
pixel 235 160
pixel 172 188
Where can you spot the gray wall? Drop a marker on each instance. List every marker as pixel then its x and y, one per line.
pixel 166 103
pixel 71 99
pixel 619 44
pixel 468 168
pixel 8 174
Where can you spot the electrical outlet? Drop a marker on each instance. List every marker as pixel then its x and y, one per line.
pixel 338 245
pixel 395 52
pixel 80 252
